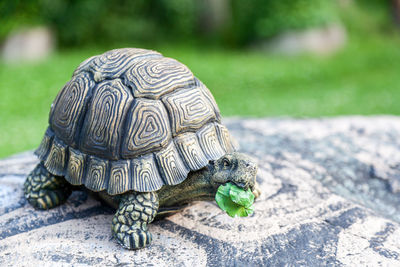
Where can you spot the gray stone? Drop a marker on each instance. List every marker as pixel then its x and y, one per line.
pixel 29 44
pixel 325 40
pixel 330 198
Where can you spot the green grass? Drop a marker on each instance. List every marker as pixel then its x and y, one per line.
pixel 364 79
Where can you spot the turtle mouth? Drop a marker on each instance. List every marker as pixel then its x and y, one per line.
pixel 242 185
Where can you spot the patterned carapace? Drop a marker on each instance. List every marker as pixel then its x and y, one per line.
pixel 131 119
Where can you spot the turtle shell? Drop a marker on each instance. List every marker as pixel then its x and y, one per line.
pixel 131 119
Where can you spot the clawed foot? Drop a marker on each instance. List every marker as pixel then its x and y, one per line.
pixel 132 238
pixel 44 190
pixel 135 212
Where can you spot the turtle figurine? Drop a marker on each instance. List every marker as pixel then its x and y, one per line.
pixel 145 134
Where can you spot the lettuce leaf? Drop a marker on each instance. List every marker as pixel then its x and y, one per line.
pixel 234 200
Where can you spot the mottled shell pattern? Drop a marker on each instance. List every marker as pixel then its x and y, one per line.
pixel 131 119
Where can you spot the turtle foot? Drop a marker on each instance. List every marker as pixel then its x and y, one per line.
pixel 133 238
pixel 44 190
pixel 135 212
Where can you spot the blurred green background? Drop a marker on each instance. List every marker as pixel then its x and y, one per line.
pixel 219 40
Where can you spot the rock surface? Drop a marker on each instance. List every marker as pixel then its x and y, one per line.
pixel 330 197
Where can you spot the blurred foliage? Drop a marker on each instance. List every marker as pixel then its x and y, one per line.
pixel 102 21
pixel 78 22
pixel 265 18
pixel 368 18
pixel 15 14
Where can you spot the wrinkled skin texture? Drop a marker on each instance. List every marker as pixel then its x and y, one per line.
pixel 237 168
pixel 203 184
pixel 136 210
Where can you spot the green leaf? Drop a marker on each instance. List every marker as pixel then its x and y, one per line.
pixel 224 189
pixel 241 197
pixel 234 200
pixel 244 212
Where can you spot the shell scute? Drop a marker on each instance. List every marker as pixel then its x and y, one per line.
pixel 157 76
pixel 66 113
pixel 119 177
pixel 112 64
pixel 171 166
pixel 102 129
pixel 145 175
pixel 190 150
pixel 55 162
pixel 209 142
pixel 147 129
pixel 189 110
pixel 224 137
pixel 75 168
pixel 96 178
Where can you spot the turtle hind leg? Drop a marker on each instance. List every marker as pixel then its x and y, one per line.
pixel 135 212
pixel 44 190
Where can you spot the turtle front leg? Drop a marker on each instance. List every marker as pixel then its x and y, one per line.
pixel 135 212
pixel 44 190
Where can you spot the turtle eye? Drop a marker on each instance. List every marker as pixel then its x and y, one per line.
pixel 226 163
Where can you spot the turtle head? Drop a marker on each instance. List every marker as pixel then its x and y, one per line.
pixel 237 168
pixel 203 184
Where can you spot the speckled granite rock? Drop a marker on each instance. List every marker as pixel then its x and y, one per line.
pixel 330 197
